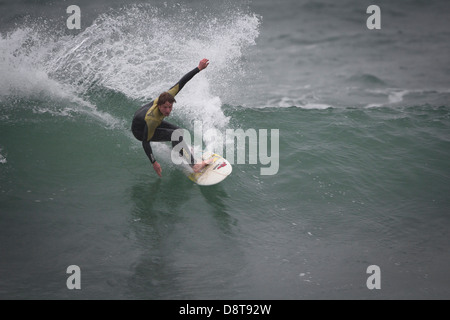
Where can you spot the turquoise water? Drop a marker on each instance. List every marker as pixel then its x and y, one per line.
pixel 364 145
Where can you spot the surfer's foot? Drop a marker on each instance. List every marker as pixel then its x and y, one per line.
pixel 199 166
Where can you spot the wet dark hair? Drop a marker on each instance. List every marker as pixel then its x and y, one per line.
pixel 165 97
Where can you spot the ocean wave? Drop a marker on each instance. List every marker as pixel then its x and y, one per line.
pixel 137 50
pixel 302 103
pixel 2 158
pixel 366 80
pixel 405 97
pixel 27 76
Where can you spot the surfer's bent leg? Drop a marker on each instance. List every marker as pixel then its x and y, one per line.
pixel 164 133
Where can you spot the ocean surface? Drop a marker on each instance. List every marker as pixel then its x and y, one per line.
pixel 362 156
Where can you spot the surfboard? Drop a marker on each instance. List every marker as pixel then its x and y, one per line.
pixel 215 172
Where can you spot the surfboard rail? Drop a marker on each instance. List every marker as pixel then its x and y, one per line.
pixel 215 172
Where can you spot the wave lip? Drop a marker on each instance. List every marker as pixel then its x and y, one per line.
pixel 366 80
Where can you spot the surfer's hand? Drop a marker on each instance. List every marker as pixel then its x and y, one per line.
pixel 157 168
pixel 203 64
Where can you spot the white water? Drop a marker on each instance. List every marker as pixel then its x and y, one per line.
pixel 139 51
pixel 2 158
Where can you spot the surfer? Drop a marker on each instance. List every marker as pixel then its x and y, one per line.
pixel 149 125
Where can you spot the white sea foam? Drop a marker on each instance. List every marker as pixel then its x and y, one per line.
pixel 26 73
pixel 395 96
pixel 139 51
pixel 317 106
pixel 303 102
pixel 2 158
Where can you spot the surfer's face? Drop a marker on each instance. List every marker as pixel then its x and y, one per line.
pixel 166 108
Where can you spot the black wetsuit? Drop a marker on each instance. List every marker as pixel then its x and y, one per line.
pixel 148 124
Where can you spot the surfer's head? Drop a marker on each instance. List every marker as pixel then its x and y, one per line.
pixel 165 103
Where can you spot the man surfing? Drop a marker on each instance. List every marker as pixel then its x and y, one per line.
pixel 149 125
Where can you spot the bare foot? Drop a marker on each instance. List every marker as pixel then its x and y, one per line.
pixel 199 166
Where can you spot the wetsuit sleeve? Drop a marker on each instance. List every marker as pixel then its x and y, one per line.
pixel 147 147
pixel 188 76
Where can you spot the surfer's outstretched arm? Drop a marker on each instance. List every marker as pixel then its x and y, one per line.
pixel 188 76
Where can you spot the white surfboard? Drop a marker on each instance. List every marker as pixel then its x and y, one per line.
pixel 215 172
